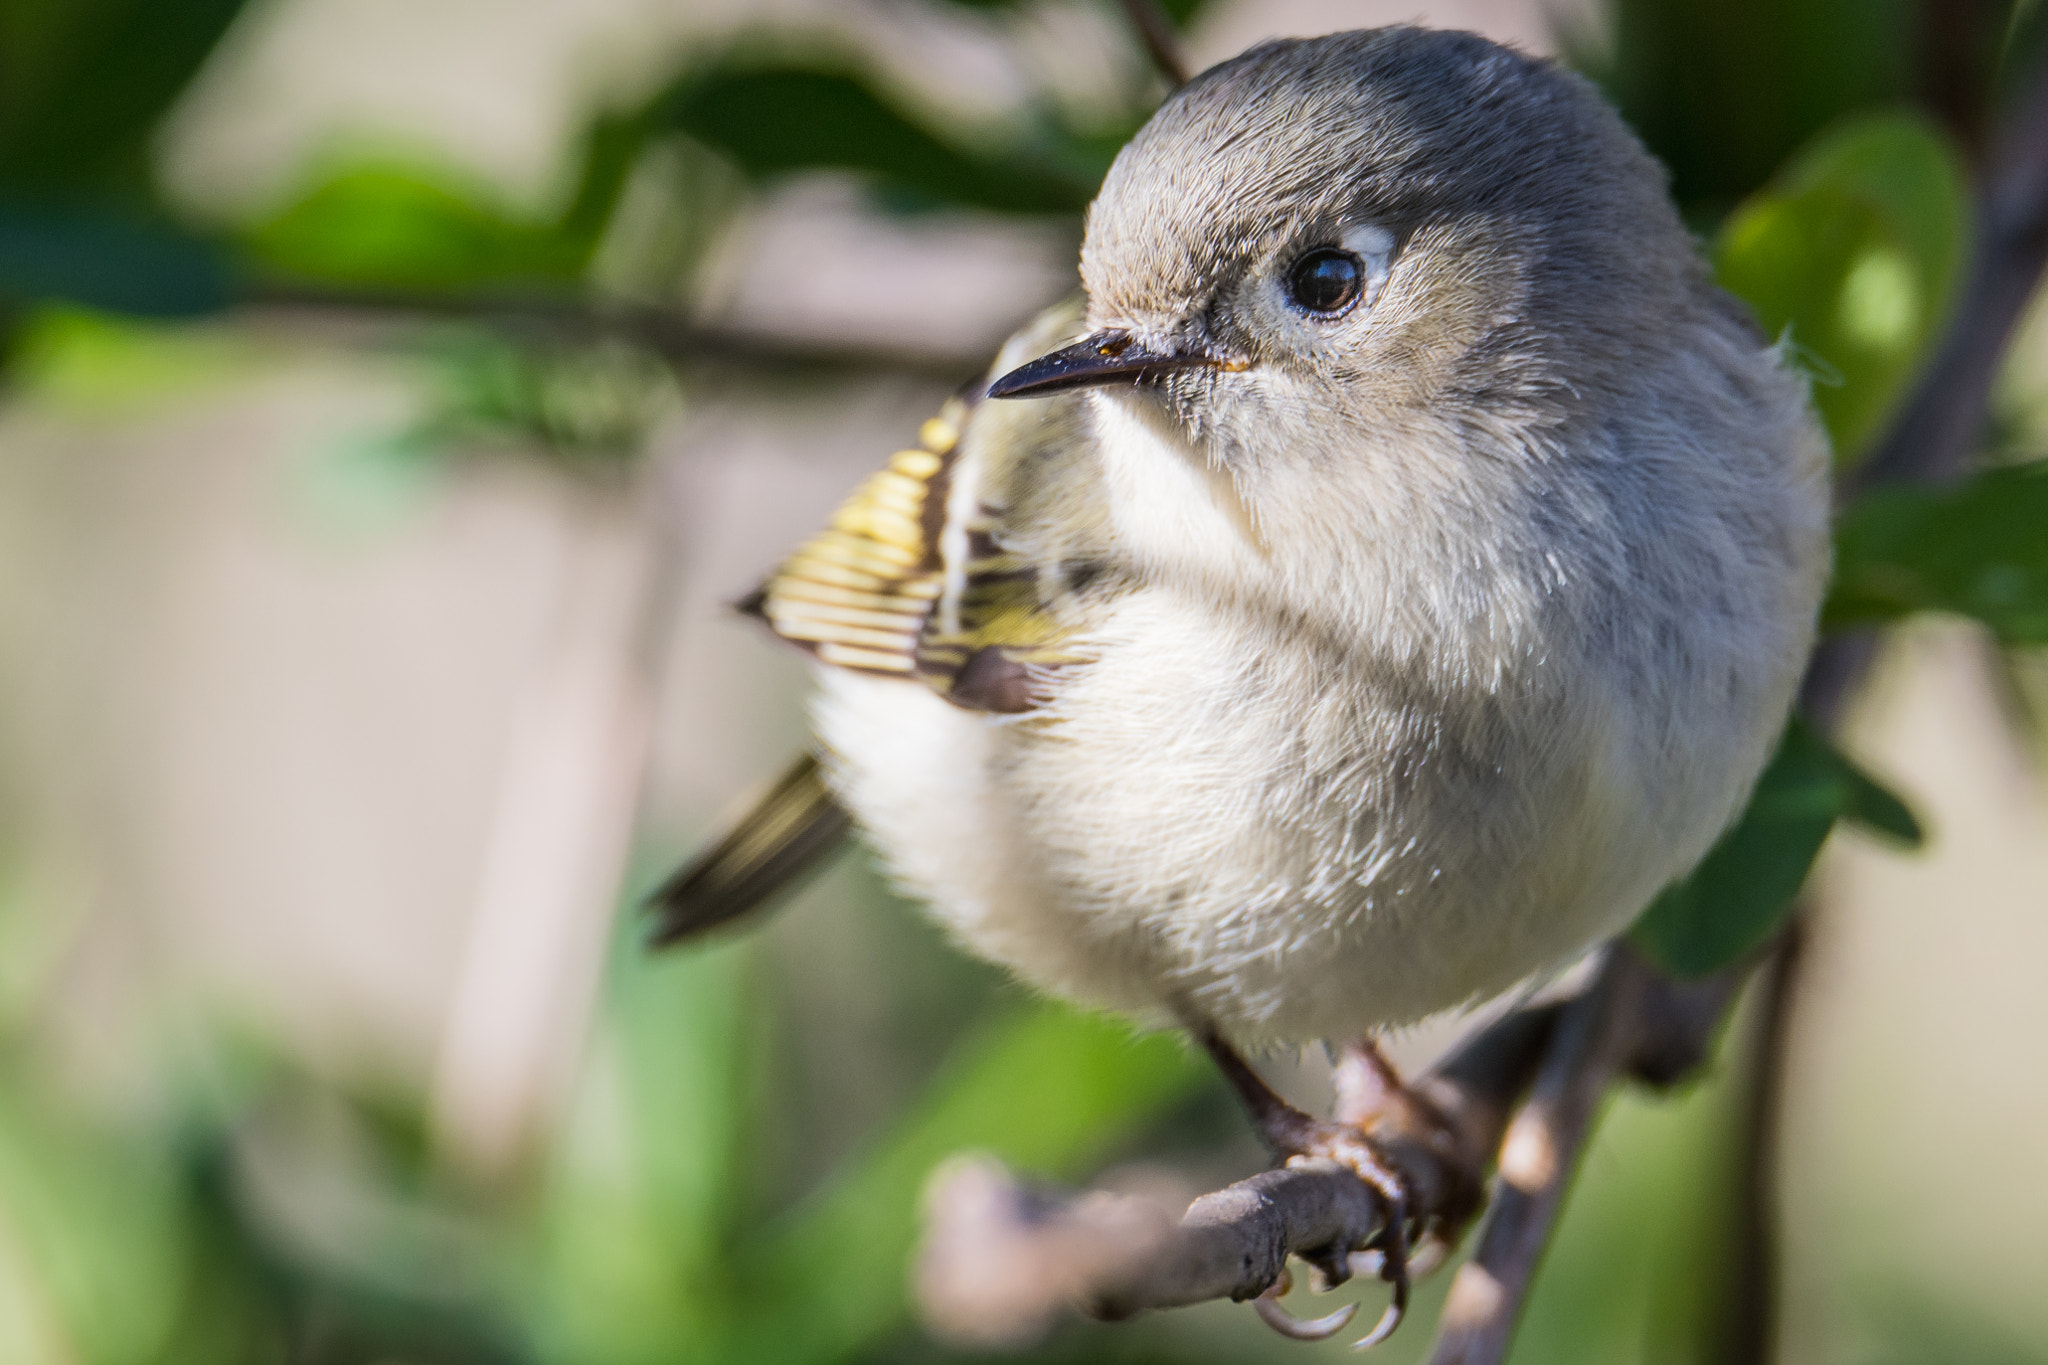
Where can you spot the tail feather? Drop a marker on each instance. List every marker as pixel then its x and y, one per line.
pixel 785 837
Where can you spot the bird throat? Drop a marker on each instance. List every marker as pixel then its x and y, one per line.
pixel 1173 509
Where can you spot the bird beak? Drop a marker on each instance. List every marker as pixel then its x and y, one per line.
pixel 1107 357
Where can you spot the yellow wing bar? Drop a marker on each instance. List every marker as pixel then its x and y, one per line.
pixel 914 578
pixel 857 593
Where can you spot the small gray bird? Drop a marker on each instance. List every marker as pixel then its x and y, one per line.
pixel 1395 576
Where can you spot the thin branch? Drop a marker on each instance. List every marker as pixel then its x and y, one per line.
pixel 1748 1326
pixel 1537 1161
pixel 1632 1022
pixel 1936 433
pixel 1162 45
pixel 1002 1261
pixel 665 331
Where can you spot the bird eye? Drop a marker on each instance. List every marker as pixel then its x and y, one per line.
pixel 1326 280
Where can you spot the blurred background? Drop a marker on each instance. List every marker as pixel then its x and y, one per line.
pixel 393 393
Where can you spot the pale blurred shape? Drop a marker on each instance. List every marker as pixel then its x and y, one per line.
pixel 1918 1098
pixel 816 262
pixel 1532 25
pixel 560 834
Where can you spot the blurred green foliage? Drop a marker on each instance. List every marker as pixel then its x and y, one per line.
pixel 83 85
pixel 1821 145
pixel 1851 254
pixel 1738 895
pixel 424 228
pixel 1977 550
pixel 1726 93
pixel 772 119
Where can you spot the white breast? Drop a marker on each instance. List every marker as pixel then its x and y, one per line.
pixel 1309 827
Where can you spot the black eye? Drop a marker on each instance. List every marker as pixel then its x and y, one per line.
pixel 1326 280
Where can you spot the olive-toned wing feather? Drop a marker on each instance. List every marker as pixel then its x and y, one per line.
pixel 857 593
pixel 911 579
pixel 783 838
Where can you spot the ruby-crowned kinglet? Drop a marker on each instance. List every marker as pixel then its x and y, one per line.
pixel 1395 577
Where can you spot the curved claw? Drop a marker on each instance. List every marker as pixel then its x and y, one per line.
pixel 1389 1320
pixel 1393 1267
pixel 1267 1306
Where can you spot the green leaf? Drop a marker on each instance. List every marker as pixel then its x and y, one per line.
pixel 107 260
pixel 1742 890
pixel 410 226
pixel 1723 91
pixel 1852 252
pixel 776 118
pixel 1047 1090
pixel 1880 810
pixel 1978 549
pixel 96 1236
pixel 644 1192
pixel 83 83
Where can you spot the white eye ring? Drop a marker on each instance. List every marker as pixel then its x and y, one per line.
pixel 1374 246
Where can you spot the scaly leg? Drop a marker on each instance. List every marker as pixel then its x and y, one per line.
pixel 1376 1115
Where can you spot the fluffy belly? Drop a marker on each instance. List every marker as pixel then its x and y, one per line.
pixel 1293 872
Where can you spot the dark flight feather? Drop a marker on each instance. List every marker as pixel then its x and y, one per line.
pixel 782 839
pixel 866 594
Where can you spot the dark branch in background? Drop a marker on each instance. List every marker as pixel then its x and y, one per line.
pixel 1001 1261
pixel 1633 1022
pixel 1956 43
pixel 1748 1326
pixel 1013 1259
pixel 664 331
pixel 1937 431
pixel 1932 440
pixel 1162 45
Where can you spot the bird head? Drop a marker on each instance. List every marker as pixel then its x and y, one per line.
pixel 1326 239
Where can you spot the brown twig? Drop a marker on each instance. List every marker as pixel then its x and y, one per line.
pixel 1748 1325
pixel 1162 45
pixel 569 318
pixel 1001 1261
pixel 1936 433
pixel 1634 1021
pixel 1537 1161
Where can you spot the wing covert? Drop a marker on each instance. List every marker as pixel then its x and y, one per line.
pixel 915 577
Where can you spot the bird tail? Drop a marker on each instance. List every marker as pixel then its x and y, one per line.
pixel 783 838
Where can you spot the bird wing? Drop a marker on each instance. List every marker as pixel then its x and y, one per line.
pixel 857 594
pixel 783 837
pixel 912 578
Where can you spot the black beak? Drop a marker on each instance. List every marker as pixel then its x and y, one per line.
pixel 1104 358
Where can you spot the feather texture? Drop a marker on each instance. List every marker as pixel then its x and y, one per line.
pixel 781 839
pixel 912 578
pixel 1357 665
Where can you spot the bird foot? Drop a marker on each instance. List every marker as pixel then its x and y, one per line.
pixel 1378 1116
